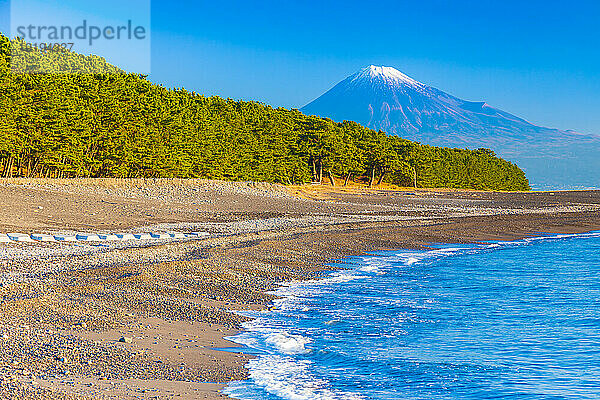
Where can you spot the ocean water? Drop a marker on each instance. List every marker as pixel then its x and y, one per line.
pixel 502 320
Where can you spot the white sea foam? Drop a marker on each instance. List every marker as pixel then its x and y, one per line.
pixel 412 260
pixel 244 339
pixel 372 267
pixel 295 290
pixel 287 378
pixel 287 343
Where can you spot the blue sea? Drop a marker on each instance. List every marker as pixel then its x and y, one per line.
pixel 499 320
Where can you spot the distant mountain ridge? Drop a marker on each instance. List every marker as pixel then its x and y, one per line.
pixel 383 98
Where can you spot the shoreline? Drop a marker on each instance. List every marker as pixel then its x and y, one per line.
pixel 279 324
pixel 80 304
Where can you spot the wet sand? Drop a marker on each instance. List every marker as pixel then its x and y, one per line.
pixel 87 321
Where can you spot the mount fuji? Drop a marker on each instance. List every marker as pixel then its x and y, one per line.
pixel 383 98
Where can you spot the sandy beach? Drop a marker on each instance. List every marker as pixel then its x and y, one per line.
pixel 115 321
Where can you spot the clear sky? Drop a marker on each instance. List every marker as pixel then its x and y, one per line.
pixel 536 59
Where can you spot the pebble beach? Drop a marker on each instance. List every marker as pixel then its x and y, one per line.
pixel 145 319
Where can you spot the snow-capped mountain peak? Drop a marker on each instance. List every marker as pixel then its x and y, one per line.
pixel 389 75
pixel 383 98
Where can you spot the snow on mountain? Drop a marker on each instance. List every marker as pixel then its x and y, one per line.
pixel 383 98
pixel 387 75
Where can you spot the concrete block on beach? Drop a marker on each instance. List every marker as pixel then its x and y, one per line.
pixel 142 236
pixel 198 234
pixel 65 238
pixel 88 237
pixel 125 236
pixel 19 237
pixel 156 235
pixel 108 236
pixel 177 235
pixel 126 339
pixel 42 237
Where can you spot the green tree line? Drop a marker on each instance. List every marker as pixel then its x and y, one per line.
pixel 114 124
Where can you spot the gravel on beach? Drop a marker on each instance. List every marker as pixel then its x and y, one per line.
pixel 114 321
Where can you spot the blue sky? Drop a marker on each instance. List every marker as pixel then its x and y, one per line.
pixel 536 59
